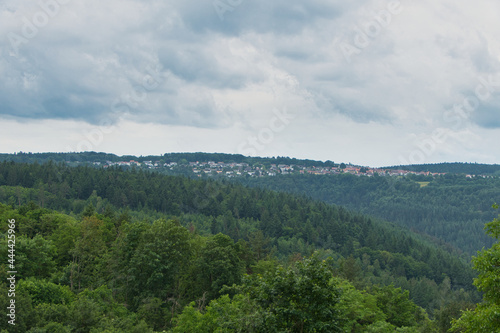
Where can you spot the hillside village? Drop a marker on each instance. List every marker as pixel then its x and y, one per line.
pixel 211 168
pixel 229 166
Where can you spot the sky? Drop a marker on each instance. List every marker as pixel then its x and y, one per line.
pixel 371 82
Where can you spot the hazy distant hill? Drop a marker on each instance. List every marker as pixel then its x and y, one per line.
pixel 461 168
pixel 169 157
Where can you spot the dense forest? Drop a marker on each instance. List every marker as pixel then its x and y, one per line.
pixel 449 208
pixel 128 251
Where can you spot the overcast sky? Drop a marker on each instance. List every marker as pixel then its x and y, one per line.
pixel 368 82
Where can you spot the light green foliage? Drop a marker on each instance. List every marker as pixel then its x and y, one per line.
pixel 379 327
pixel 301 298
pixel 486 317
pixel 191 320
pixel 359 309
pixel 43 291
pixel 263 266
pixel 7 213
pixel 409 330
pixel 241 314
pixel 397 306
pixel 41 222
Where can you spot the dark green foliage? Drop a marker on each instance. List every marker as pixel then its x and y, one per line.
pixel 452 209
pixel 139 248
pixel 34 256
pixel 154 270
pixel 296 224
pixel 218 265
pixel 88 254
pixel 452 310
pixel 161 255
pixel 25 318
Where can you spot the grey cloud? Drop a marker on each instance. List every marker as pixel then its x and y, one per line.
pixel 281 17
pixel 362 111
pixel 295 55
pixel 201 66
pixel 189 107
pixel 488 116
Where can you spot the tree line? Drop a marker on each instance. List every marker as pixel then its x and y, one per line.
pixel 451 209
pixel 117 244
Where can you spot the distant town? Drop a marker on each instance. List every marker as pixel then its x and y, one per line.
pixel 221 165
pixel 229 170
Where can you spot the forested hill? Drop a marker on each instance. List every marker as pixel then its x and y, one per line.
pixel 294 224
pixel 91 157
pixel 456 168
pixel 451 208
pixel 115 250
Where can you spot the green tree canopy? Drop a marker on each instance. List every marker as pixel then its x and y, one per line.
pixel 486 317
pixel 301 298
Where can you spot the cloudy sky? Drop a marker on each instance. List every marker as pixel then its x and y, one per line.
pixel 370 82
